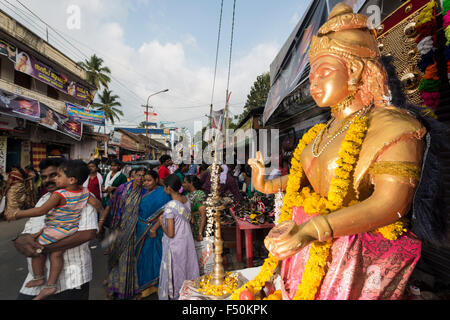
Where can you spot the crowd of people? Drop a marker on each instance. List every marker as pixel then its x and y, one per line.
pixel 147 222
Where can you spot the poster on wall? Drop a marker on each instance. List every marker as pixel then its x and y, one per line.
pixel 115 138
pixel 12 124
pixel 86 115
pixel 28 64
pixel 3 153
pixel 18 106
pixel 61 123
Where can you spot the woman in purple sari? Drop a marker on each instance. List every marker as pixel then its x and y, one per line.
pixel 179 258
pixel 122 274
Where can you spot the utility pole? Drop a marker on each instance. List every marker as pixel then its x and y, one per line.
pixel 226 118
pixel 147 147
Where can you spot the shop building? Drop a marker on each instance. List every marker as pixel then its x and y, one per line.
pixel 36 82
pixel 130 146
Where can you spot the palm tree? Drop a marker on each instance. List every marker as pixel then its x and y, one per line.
pixel 108 104
pixel 96 73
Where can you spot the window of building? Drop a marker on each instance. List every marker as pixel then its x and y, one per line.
pixel 22 79
pixel 52 93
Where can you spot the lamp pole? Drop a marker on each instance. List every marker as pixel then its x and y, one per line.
pixel 146 119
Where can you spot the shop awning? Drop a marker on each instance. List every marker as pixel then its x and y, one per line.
pixel 290 66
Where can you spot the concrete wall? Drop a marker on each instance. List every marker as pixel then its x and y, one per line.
pixel 83 149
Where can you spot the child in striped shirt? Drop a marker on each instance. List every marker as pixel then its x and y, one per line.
pixel 63 211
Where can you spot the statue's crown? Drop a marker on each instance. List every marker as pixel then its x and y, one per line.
pixel 345 33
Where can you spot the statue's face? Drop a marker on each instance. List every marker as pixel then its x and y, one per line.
pixel 329 81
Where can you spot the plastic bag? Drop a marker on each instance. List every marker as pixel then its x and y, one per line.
pixel 205 254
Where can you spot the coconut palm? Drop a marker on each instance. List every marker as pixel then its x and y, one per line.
pixel 108 104
pixel 96 74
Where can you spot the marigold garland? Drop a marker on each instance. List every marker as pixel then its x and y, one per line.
pixel 315 268
pixel 228 286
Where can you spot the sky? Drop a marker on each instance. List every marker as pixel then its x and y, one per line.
pixel 151 45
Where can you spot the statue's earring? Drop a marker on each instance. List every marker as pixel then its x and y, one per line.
pixel 388 98
pixel 352 85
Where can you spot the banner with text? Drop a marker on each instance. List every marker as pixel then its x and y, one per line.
pixel 86 115
pixel 12 124
pixel 28 64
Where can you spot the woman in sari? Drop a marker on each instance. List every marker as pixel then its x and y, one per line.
pixel 112 181
pixel 179 259
pixel 196 197
pixel 15 190
pixel 149 234
pixel 122 282
pixel 32 186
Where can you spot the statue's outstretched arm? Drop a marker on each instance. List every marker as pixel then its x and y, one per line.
pixel 265 186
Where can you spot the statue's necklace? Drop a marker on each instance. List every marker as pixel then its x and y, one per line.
pixel 336 110
pixel 346 125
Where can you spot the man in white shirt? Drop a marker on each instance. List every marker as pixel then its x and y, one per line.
pixel 73 283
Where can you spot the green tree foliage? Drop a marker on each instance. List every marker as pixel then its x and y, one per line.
pixel 109 105
pixel 96 73
pixel 258 95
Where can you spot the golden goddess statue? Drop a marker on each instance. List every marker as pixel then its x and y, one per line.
pixel 343 233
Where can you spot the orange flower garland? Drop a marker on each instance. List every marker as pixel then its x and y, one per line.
pixel 315 268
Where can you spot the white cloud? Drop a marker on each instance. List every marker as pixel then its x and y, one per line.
pixel 190 40
pixel 155 64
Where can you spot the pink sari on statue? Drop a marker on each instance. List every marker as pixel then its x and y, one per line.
pixel 363 266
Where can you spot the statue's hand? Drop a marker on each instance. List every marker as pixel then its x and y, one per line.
pixel 287 238
pixel 257 164
pixel 258 170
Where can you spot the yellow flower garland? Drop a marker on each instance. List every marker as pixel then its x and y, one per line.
pixel 229 285
pixel 313 203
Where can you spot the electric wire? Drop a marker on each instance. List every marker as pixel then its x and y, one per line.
pixel 217 54
pixel 62 35
pixel 84 56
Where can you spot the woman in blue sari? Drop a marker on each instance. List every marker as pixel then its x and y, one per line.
pixel 122 281
pixel 149 235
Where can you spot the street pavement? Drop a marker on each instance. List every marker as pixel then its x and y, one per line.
pixel 13 266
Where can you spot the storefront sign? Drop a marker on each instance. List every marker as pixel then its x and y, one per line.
pixel 115 138
pixel 8 50
pixel 28 64
pixel 86 115
pixel 3 153
pixel 15 105
pixel 58 122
